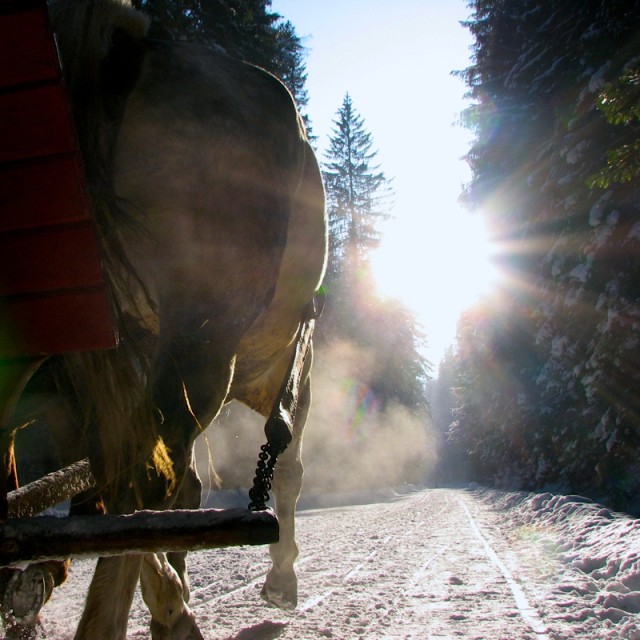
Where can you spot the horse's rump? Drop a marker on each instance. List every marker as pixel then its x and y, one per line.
pixel 200 178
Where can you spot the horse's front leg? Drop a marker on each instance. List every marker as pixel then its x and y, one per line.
pixel 106 610
pixel 281 585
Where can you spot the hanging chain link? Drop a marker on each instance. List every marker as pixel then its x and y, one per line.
pixel 279 426
pixel 259 493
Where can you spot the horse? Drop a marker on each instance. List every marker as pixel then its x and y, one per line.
pixel 209 210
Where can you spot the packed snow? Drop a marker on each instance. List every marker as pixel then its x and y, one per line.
pixel 419 564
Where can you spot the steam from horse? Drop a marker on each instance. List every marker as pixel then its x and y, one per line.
pixel 210 211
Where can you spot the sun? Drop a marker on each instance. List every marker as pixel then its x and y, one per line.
pixel 438 270
pixel 472 261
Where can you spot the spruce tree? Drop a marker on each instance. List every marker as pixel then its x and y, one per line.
pixel 357 191
pixel 620 102
pixel 245 30
pixel 357 200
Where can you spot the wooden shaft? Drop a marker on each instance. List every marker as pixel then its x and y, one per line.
pixel 50 490
pixel 50 538
pixel 14 375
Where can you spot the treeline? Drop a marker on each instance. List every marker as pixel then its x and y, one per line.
pixel 544 386
pixel 370 412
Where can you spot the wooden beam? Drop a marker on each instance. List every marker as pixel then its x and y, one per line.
pixel 50 538
pixel 50 490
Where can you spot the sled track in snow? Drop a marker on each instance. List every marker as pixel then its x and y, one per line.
pixel 527 612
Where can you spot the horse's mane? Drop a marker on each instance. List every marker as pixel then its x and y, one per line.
pixel 101 45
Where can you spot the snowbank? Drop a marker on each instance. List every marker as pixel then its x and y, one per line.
pixel 599 548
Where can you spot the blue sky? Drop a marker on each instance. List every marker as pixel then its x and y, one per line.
pixel 395 60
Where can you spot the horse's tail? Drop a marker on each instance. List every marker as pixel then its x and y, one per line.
pixel 102 44
pixel 118 417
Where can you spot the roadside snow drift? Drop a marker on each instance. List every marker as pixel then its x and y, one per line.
pixel 599 550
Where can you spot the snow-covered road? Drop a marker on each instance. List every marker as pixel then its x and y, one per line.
pixel 437 563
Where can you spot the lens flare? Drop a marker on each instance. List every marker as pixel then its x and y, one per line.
pixel 360 406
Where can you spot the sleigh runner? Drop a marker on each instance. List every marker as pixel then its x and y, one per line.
pixel 54 298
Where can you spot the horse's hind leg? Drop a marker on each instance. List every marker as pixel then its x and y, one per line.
pixel 281 585
pixel 163 592
pixel 164 589
pixel 107 608
pixel 189 497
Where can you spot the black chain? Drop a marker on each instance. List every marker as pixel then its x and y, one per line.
pixel 279 426
pixel 259 493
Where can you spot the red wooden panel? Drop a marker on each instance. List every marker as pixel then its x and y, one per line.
pixel 48 260
pixel 42 193
pixel 34 123
pixel 73 321
pixel 27 49
pixel 52 292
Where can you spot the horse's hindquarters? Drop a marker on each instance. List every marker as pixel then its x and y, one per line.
pixel 213 210
pixel 208 172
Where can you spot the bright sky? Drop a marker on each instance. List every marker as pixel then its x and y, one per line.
pixel 395 59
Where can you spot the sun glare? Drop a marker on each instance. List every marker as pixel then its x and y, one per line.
pixel 438 271
pixel 476 272
pixel 434 257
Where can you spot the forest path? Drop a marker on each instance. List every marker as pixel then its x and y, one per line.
pixel 436 563
pixel 423 567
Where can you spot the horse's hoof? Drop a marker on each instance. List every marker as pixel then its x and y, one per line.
pixel 24 596
pixel 283 597
pixel 24 632
pixel 184 629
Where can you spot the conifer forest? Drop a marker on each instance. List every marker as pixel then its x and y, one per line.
pixel 543 387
